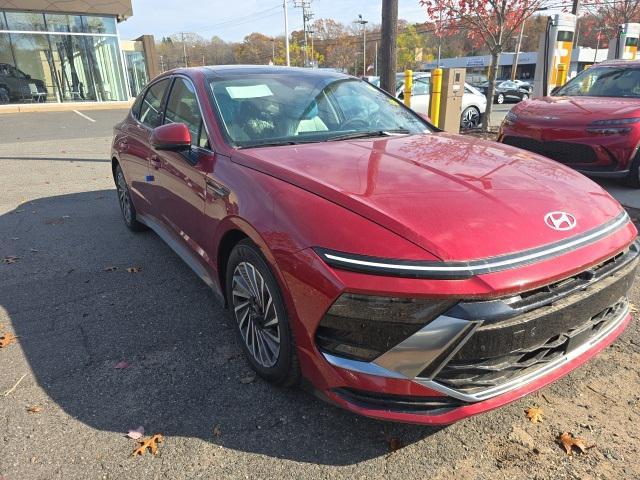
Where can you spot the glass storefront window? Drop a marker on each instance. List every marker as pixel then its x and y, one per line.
pixel 79 60
pixel 25 21
pixel 63 23
pixel 99 24
pixel 32 78
pixel 137 71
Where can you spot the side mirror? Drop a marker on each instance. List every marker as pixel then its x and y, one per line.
pixel 173 136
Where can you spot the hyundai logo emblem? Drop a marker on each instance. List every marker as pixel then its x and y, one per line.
pixel 561 221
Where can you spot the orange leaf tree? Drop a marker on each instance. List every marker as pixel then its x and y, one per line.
pixel 612 13
pixel 489 23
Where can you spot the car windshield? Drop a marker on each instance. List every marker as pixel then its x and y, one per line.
pixel 279 109
pixel 604 82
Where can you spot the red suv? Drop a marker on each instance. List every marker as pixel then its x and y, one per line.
pixel 406 274
pixel 591 124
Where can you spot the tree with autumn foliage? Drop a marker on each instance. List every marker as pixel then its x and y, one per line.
pixel 611 13
pixel 492 23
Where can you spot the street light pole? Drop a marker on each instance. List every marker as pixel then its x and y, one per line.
pixel 363 22
pixel 286 32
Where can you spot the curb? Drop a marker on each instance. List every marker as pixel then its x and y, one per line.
pixel 63 107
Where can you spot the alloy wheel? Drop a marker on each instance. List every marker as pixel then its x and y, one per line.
pixel 525 97
pixel 501 98
pixel 470 118
pixel 255 312
pixel 123 197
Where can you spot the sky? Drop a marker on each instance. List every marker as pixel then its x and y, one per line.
pixel 232 20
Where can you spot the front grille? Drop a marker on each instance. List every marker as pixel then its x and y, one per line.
pixel 471 376
pixel 525 332
pixel 398 403
pixel 565 152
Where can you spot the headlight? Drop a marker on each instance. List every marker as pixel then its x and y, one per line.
pixel 510 118
pixel 613 126
pixel 363 327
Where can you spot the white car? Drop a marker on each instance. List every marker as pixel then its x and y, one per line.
pixel 474 103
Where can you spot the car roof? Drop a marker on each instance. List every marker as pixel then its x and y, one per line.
pixel 233 70
pixel 619 63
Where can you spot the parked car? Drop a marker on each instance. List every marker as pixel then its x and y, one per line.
pixel 474 102
pixel 507 90
pixel 406 274
pixel 16 86
pixel 591 124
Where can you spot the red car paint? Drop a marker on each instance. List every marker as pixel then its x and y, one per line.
pixel 568 119
pixel 433 197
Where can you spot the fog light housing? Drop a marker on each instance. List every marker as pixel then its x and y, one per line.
pixel 363 327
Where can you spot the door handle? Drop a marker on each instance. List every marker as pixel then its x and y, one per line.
pixel 154 161
pixel 215 190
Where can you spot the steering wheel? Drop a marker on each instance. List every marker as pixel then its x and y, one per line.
pixel 354 123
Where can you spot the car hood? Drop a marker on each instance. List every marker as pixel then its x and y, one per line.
pixel 576 110
pixel 458 198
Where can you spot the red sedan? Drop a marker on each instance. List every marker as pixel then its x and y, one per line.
pixel 591 124
pixel 404 273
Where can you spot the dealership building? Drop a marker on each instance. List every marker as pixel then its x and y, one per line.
pixel 581 57
pixel 70 51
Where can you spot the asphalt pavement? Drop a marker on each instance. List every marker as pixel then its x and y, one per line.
pixel 79 314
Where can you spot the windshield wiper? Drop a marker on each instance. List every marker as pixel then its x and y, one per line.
pixel 270 144
pixel 373 133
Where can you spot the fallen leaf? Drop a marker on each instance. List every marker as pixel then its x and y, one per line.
pixel 568 441
pixel 110 269
pixel 216 431
pixel 633 308
pixel 534 414
pixel 122 364
pixel 7 339
pixel 134 269
pixel 136 433
pixel 150 443
pixel 247 379
pixel 34 409
pixel 10 259
pixel 54 221
pixel 33 250
pixel 394 444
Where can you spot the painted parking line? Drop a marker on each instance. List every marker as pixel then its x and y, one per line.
pixel 85 116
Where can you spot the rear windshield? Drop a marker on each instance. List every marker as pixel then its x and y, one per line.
pixel 604 82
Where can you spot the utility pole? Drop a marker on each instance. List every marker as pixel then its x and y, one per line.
pixel 307 15
pixel 389 34
pixel 376 60
pixel 184 49
pixel 363 22
pixel 574 10
pixel 286 32
pixel 162 63
pixel 516 57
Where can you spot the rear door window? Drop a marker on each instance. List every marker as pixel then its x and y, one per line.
pixel 150 110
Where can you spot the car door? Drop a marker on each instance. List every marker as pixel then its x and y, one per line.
pixel 182 175
pixel 420 95
pixel 136 153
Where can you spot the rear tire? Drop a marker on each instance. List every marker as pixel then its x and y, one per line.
pixel 126 205
pixel 262 323
pixel 525 96
pixel 633 179
pixel 470 118
pixel 500 99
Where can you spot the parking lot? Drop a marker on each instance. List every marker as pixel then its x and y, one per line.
pixel 79 314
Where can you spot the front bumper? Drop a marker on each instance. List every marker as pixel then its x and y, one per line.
pixel 398 385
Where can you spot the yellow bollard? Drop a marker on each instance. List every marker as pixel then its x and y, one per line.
pixel 562 74
pixel 408 86
pixel 436 93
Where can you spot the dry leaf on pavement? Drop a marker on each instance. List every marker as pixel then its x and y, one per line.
pixel 394 444
pixel 216 431
pixel 534 414
pixel 7 339
pixel 10 259
pixel 247 379
pixel 122 364
pixel 633 308
pixel 34 409
pixel 136 433
pixel 150 443
pixel 568 441
pixel 110 269
pixel 134 269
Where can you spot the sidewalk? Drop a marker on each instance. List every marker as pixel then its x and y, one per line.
pixel 63 107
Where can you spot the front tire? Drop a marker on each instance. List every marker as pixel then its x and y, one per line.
pixel 500 99
pixel 262 323
pixel 633 180
pixel 525 96
pixel 126 205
